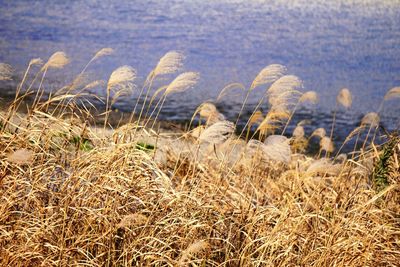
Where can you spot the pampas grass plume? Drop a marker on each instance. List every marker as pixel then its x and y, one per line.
pixel 320 132
pixel 326 144
pixel 371 119
pixel 5 71
pixel 171 62
pixel 268 74
pixel 392 93
pixel 20 156
pixel 36 61
pixel 344 98
pixel 298 131
pixel 217 133
pixel 57 61
pixel 309 96
pixel 183 82
pixel 103 52
pixel 192 249
pixel 121 76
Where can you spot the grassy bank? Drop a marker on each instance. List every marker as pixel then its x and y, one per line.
pixel 77 193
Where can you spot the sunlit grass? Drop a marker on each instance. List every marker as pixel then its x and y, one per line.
pixel 74 192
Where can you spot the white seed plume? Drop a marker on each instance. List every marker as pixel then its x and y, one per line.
pixel 268 74
pixel 103 52
pixel 298 131
pixel 35 61
pixel 304 122
pixel 210 112
pixel 275 148
pixel 122 76
pixel 183 82
pixel 21 156
pixel 217 133
pixel 326 144
pixel 256 118
pixel 283 90
pixel 309 96
pixel 171 62
pixel 57 61
pixel 5 72
pixel 320 132
pixel 344 98
pixel 392 93
pixel 371 119
pixel 94 84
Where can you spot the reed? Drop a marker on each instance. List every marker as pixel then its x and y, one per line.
pixel 73 193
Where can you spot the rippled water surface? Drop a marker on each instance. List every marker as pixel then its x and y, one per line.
pixel 328 44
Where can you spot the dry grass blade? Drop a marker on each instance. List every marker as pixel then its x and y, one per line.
pixel 344 98
pixel 268 74
pixel 5 72
pixel 183 82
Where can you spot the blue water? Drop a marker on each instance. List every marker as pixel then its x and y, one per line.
pixel 328 44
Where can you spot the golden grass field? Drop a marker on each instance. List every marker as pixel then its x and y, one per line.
pixel 76 193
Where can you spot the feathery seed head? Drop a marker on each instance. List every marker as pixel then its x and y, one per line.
pixel 392 93
pixel 310 96
pixel 20 156
pixel 298 131
pixel 122 76
pixel 171 62
pixel 371 119
pixel 268 75
pixel 256 118
pixel 103 52
pixel 35 61
pixel 344 98
pixel 217 133
pixel 183 82
pixel 57 61
pixel 326 144
pixel 210 112
pixel 320 132
pixel 5 71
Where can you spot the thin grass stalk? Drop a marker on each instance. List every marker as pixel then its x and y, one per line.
pixel 366 138
pixel 37 97
pixel 333 121
pixel 149 77
pixel 290 117
pixel 242 107
pixel 159 110
pixel 14 105
pixel 146 96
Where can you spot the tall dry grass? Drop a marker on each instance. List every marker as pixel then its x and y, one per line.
pixel 73 194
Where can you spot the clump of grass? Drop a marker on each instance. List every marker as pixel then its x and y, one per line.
pixel 382 169
pixel 73 193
